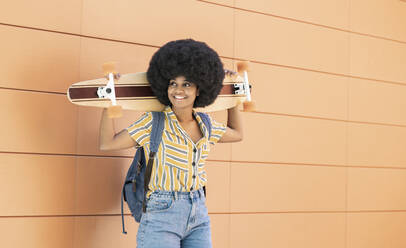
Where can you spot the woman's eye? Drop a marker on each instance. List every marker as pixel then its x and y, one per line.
pixel 187 84
pixel 172 84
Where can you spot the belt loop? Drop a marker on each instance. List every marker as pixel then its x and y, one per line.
pixel 175 195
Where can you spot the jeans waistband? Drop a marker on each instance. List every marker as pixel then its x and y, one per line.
pixel 179 195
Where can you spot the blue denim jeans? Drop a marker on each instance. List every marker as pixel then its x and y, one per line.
pixel 175 219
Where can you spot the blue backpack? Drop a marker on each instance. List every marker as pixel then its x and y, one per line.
pixel 139 174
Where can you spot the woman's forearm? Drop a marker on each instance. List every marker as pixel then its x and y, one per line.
pixel 107 131
pixel 234 120
pixel 109 139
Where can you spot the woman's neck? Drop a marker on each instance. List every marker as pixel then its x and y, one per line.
pixel 184 115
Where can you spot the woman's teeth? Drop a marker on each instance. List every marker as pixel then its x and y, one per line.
pixel 179 97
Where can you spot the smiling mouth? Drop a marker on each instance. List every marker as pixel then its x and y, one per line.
pixel 179 97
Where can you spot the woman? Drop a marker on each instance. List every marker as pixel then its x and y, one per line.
pixel 183 74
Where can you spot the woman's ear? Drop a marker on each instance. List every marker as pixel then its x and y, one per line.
pixel 197 92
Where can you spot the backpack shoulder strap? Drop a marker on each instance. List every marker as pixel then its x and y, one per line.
pixel 207 123
pixel 206 120
pixel 158 122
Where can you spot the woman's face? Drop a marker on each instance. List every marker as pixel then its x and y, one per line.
pixel 182 93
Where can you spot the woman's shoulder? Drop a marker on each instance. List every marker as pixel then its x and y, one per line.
pixel 145 120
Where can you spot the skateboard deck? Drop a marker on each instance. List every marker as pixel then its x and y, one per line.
pixel 132 92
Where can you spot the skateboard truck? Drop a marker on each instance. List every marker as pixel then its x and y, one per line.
pixel 239 89
pixel 248 105
pixel 106 92
pixel 114 111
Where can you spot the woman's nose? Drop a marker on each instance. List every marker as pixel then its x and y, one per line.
pixel 178 88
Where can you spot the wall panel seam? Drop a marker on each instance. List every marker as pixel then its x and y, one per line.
pixel 256 112
pixel 210 213
pixel 35 91
pixel 306 22
pixel 347 128
pixel 224 57
pixel 318 71
pixel 78 35
pixel 330 119
pixel 316 165
pixel 215 160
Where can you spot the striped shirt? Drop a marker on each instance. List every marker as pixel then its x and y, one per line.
pixel 179 162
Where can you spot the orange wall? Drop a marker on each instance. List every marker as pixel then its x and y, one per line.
pixel 323 162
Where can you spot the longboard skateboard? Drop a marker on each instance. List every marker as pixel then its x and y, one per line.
pixel 132 91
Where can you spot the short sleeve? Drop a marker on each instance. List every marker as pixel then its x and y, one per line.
pixel 141 129
pixel 217 131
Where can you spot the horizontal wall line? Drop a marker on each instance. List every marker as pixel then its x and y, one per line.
pixel 257 112
pixel 211 160
pixel 305 22
pixel 321 72
pixel 36 91
pixel 78 35
pixel 62 216
pixel 212 213
pixel 314 212
pixel 65 154
pixel 225 57
pixel 329 119
pixel 309 164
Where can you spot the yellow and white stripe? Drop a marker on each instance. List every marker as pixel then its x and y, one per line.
pixel 179 163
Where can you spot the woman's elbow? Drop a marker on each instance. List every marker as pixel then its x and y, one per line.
pixel 104 147
pixel 236 137
pixel 239 137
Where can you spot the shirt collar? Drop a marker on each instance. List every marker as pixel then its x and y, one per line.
pixel 171 116
pixel 169 112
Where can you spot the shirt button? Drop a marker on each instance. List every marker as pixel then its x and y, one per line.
pixel 193 163
pixel 194 150
pixel 194 176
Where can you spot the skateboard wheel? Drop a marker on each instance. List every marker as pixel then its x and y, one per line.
pixel 114 111
pixel 109 68
pixel 242 66
pixel 249 106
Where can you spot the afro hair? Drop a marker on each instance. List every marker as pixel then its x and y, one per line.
pixel 194 60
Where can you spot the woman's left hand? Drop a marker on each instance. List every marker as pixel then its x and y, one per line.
pixel 229 73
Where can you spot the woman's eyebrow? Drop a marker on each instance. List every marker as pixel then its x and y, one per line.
pixel 183 82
